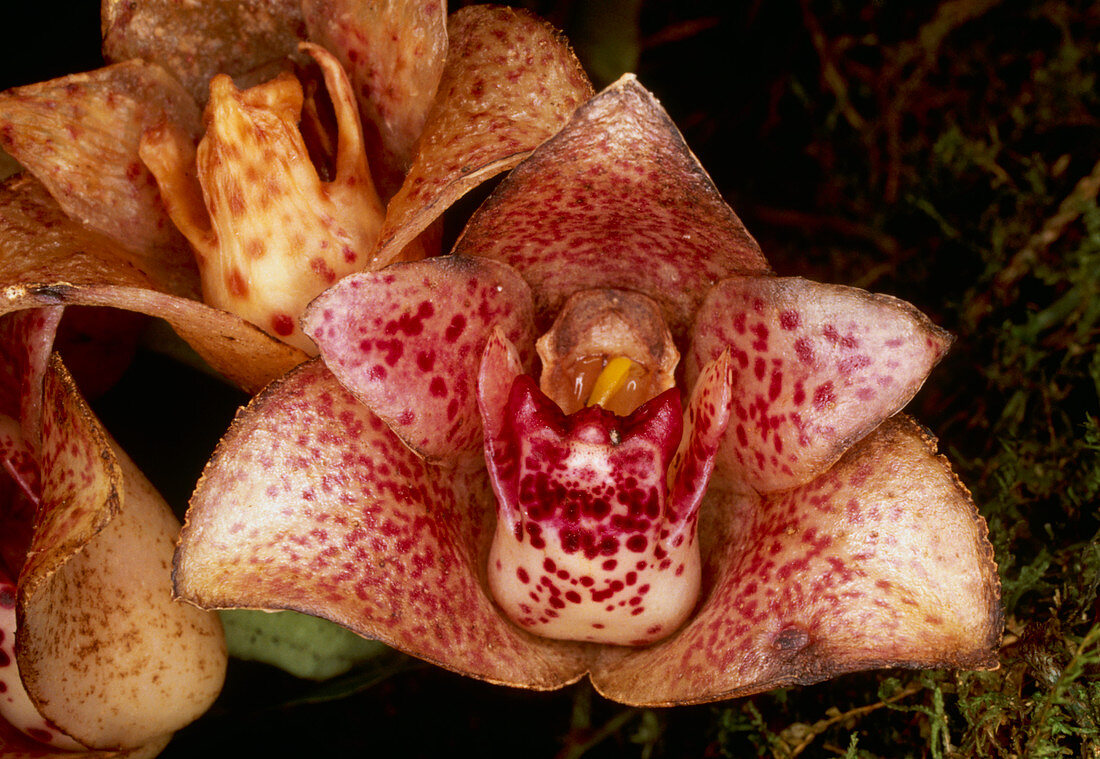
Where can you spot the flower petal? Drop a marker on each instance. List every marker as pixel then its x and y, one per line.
pixel 510 82
pixel 49 260
pixel 817 367
pixel 615 199
pixel 882 561
pixel 394 54
pixel 79 136
pixel 407 341
pixel 195 41
pixel 105 652
pixel 312 504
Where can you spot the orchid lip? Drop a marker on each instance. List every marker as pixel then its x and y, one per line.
pixel 588 545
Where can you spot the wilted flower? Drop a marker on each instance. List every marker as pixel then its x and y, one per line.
pixel 416 485
pixel 450 103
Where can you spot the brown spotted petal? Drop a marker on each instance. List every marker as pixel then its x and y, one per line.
pixel 817 367
pixel 79 136
pixel 615 199
pixel 311 503
pixel 49 259
pixel 271 234
pixel 510 82
pixel 394 53
pixel 882 561
pixel 407 341
pixel 197 40
pixel 105 653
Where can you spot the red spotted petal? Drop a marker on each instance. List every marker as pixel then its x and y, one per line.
pixel 195 41
pixel 816 368
pixel 407 341
pixel 615 199
pixel 79 136
pixel 882 561
pixel 510 82
pixel 311 503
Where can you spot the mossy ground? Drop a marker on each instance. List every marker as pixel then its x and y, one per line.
pixel 945 152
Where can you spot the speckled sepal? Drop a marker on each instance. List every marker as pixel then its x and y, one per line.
pixel 510 82
pixel 105 654
pixel 79 136
pixel 882 561
pixel 615 199
pixel 312 503
pixel 195 41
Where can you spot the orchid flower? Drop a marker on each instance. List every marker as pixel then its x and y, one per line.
pixel 95 655
pixel 119 207
pixel 93 221
pixel 500 464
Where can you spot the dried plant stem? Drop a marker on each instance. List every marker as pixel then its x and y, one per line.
pixel 822 725
pixel 1069 210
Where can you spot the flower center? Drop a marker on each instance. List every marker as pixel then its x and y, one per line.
pixel 598 503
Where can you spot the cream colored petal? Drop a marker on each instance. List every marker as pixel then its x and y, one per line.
pixel 105 651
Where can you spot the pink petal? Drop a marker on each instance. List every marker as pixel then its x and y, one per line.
pixel 195 41
pixel 708 414
pixel 882 561
pixel 407 341
pixel 510 82
pixel 311 503
pixel 79 136
pixel 816 368
pixel 394 53
pixel 615 199
pixel 50 260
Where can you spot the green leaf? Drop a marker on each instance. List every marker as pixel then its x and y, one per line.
pixel 304 646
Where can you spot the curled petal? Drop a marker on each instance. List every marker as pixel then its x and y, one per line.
pixel 79 136
pixel 311 503
pixel 816 366
pixel 394 53
pixel 510 82
pixel 407 342
pixel 104 651
pixel 51 260
pixel 195 41
pixel 615 199
pixel 882 561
